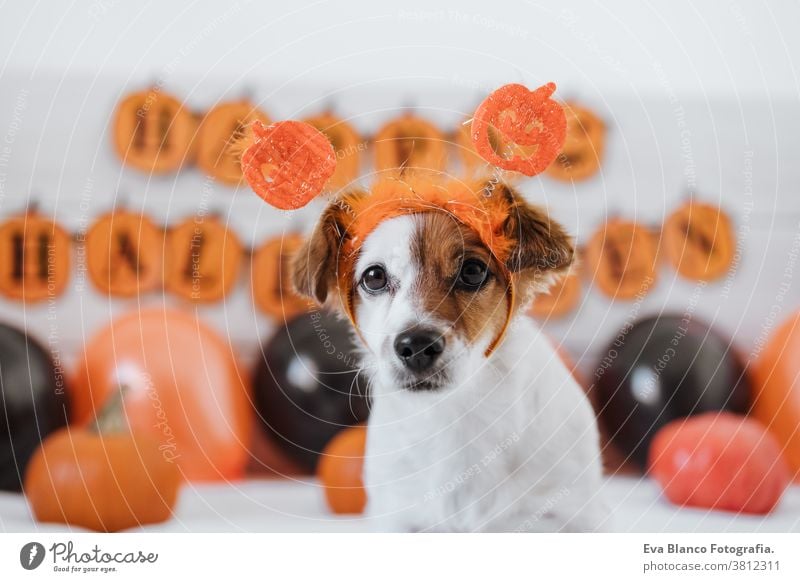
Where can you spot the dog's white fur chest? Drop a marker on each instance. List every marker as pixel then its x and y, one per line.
pixel 508 443
pixel 515 447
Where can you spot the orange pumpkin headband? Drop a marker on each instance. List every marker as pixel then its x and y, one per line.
pixel 470 204
pixel 289 163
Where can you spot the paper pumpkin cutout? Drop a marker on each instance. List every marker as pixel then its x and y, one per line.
pixel 34 258
pixel 154 132
pixel 288 163
pixel 410 142
pixel 346 144
pixel 698 241
pixel 221 133
pixel 202 259
pixel 124 254
pixel 562 298
pixel 271 279
pixel 622 258
pixel 582 153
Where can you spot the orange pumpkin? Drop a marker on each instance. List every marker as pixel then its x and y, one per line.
pixel 123 254
pixel 562 298
pixel 34 258
pixel 339 471
pixel 154 132
pixel 410 142
pixel 622 258
pixel 582 152
pixel 101 478
pixel 699 242
pixel 222 132
pixel 202 259
pixel 271 279
pixel 347 144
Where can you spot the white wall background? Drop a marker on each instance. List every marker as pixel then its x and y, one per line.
pixel 727 69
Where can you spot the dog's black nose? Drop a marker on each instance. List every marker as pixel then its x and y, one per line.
pixel 418 349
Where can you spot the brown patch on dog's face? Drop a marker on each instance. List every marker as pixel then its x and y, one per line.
pixel 442 247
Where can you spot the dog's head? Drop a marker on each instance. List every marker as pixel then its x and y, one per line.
pixel 427 293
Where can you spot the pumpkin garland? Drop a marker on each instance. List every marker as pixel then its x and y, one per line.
pixel 699 242
pixel 34 258
pixel 583 148
pixel 154 132
pixel 124 254
pixel 622 258
pixel 346 144
pixel 271 281
pixel 202 259
pixel 410 142
pixel 219 136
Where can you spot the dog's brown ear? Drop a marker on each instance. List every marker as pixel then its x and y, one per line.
pixel 314 266
pixel 538 242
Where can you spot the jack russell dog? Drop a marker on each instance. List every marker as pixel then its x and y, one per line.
pixel 459 440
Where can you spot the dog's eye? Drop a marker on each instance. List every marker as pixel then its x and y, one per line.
pixel 374 279
pixel 473 274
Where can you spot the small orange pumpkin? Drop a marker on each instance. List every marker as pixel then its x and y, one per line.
pixel 271 280
pixel 339 470
pixel 470 158
pixel 202 259
pixel 222 132
pixel 622 258
pixel 410 142
pixel 102 477
pixel 562 298
pixel 347 144
pixel 699 241
pixel 154 132
pixel 123 254
pixel 34 258
pixel 582 153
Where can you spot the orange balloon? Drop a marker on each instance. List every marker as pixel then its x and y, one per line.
pixel 776 389
pixel 339 470
pixel 183 387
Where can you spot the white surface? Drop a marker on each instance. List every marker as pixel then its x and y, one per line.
pixel 286 506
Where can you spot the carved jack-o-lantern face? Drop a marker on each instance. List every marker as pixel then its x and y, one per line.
pixel 582 153
pixel 470 158
pixel 202 259
pixel 622 259
pixel 562 298
pixel 410 142
pixel 154 132
pixel 123 254
pixel 346 143
pixel 221 136
pixel 34 258
pixel 699 242
pixel 271 279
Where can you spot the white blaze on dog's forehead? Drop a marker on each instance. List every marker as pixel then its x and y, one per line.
pixel 382 316
pixel 389 245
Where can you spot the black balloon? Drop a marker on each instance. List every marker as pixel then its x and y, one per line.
pixel 32 404
pixel 665 368
pixel 307 387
